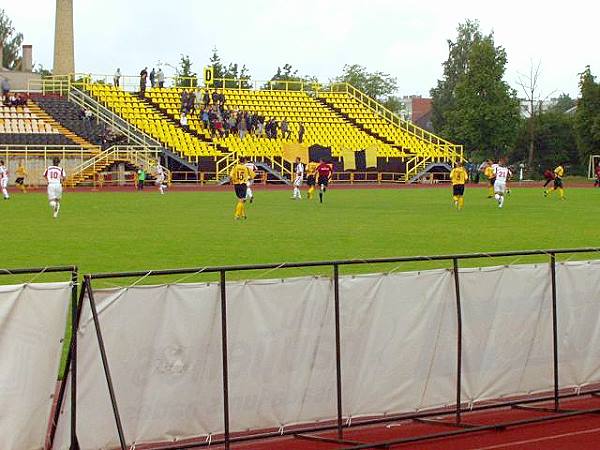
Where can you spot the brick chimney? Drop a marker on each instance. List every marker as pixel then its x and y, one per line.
pixel 27 61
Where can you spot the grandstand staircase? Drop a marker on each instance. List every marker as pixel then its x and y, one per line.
pixel 42 114
pixel 136 156
pixel 117 123
pixel 355 123
pixel 171 118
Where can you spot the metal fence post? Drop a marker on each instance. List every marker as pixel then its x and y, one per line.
pixel 75 314
pixel 338 351
pixel 225 365
pixel 458 339
pixel 554 330
pixel 111 390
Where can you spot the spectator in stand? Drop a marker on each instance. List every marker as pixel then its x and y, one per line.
pixel 183 121
pixel 219 125
pixel 184 101
pixel 88 116
pixel 260 126
pixel 205 118
pixel 231 123
pixel 160 77
pixel 152 77
pixel 301 132
pixel 285 129
pixel 117 77
pixel 212 118
pixel 206 99
pixel 191 100
pixel 198 100
pixel 222 98
pixel 242 125
pixel 274 126
pixel 143 78
pixel 215 98
pixel 5 90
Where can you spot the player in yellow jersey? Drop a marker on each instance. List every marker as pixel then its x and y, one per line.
pixel 21 173
pixel 311 178
pixel 559 172
pixel 458 177
pixel 240 175
pixel 491 176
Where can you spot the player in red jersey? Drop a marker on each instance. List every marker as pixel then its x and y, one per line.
pixel 324 173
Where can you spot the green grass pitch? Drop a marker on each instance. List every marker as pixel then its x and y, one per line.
pixel 123 231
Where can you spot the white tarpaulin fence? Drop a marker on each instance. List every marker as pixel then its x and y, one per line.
pixel 32 325
pixel 398 341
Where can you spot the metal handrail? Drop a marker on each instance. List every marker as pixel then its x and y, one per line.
pixel 132 154
pixel 112 119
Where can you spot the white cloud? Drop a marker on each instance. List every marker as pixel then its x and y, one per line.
pixel 404 38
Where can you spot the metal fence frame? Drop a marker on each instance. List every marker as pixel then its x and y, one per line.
pixel 337 423
pixel 73 271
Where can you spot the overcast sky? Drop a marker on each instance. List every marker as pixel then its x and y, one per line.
pixel 405 38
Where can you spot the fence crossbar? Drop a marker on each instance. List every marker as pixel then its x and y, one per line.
pixel 228 437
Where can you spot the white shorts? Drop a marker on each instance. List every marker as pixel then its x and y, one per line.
pixel 4 183
pixel 500 187
pixel 298 182
pixel 54 191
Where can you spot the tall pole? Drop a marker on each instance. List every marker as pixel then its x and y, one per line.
pixel 64 46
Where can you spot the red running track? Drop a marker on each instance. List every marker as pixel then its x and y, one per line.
pixel 579 432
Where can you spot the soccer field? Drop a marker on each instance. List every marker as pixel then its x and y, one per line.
pixel 118 231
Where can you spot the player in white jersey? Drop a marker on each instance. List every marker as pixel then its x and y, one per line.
pixel 55 176
pixel 161 178
pixel 298 180
pixel 4 180
pixel 502 174
pixel 249 194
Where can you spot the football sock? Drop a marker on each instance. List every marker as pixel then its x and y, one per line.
pixel 490 191
pixel 311 191
pixel 4 193
pixel 461 202
pixel 501 202
pixel 321 196
pixel 242 210
pixel 497 197
pixel 455 199
pixel 237 210
pixel 561 193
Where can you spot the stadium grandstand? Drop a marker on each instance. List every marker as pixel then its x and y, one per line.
pixel 363 139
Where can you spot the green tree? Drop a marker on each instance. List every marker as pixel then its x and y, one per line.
pixel 587 117
pixel 481 111
pixel 286 74
pixel 455 68
pixel 235 76
pixel 563 103
pixel 185 76
pixel 12 42
pixel 377 85
pixel 554 140
pixel 42 71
